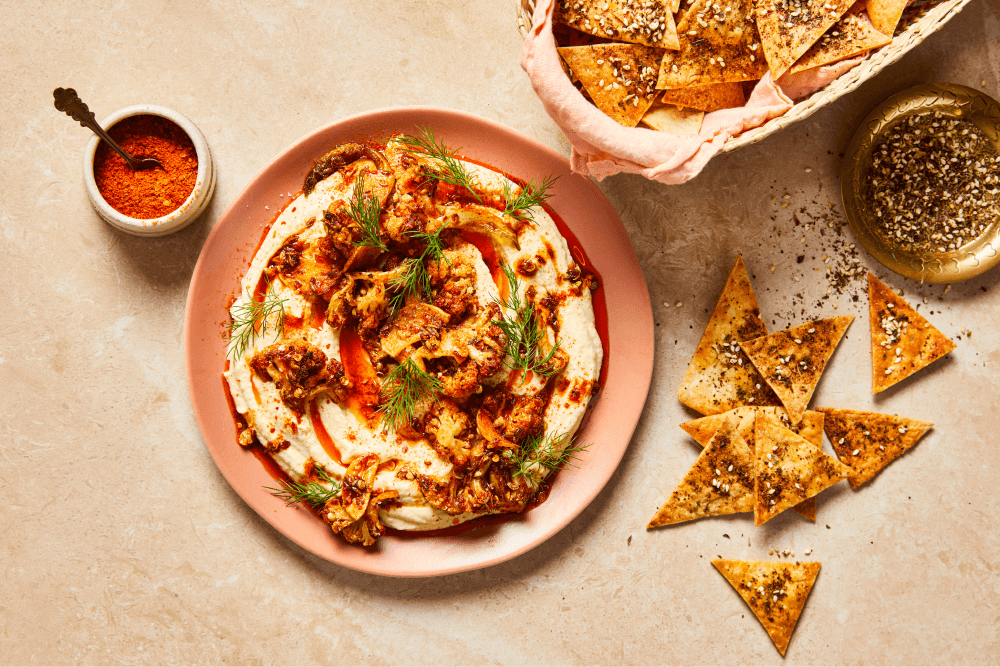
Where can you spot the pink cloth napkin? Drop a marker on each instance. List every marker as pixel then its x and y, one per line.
pixel 602 147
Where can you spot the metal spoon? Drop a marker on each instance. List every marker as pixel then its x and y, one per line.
pixel 67 101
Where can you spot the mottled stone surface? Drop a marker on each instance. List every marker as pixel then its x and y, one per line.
pixel 121 542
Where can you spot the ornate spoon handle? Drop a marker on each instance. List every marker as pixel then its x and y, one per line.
pixel 67 101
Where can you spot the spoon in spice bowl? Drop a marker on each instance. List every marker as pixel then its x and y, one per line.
pixel 67 101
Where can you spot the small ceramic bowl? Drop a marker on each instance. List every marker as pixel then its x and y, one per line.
pixel 185 214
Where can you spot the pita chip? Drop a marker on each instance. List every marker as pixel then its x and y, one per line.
pixel 810 428
pixel 618 77
pixel 868 441
pixel 903 341
pixel 720 377
pixel 675 6
pixel 719 482
pixel 668 118
pixel 713 97
pixel 703 428
pixel 788 469
pixel 885 14
pixel 793 360
pixel 715 46
pixel 788 28
pixel 650 23
pixel 775 592
pixel 852 35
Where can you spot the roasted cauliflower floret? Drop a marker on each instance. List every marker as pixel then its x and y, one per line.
pixel 354 513
pixel 300 371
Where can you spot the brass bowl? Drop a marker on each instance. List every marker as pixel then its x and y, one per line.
pixel 976 256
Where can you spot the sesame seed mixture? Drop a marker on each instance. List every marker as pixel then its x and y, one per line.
pixel 933 184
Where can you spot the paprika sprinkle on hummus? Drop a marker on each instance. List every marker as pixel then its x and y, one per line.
pixel 147 193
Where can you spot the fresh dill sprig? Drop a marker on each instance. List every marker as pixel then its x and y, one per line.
pixel 415 280
pixel 247 317
pixel 551 451
pixel 364 210
pixel 313 494
pixel 449 169
pixel 520 327
pixel 532 194
pixel 404 387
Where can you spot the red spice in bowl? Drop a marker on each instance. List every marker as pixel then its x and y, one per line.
pixel 148 193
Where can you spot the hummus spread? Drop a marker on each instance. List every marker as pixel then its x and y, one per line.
pixel 383 365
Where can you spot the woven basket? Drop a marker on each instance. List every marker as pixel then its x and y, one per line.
pixel 919 20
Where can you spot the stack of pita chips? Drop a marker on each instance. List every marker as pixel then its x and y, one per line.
pixel 664 67
pixel 762 446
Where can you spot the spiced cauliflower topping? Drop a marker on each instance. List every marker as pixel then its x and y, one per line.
pixel 428 349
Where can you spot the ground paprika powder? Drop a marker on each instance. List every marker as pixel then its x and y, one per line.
pixel 147 193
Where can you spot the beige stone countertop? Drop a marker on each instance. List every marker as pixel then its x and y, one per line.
pixel 120 541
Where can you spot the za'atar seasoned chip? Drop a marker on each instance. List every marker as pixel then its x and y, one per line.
pixel 788 469
pixel 650 22
pixel 620 78
pixel 810 428
pixel 788 28
pixel 716 46
pixel 720 377
pixel 903 341
pixel 775 592
pixel 793 360
pixel 719 482
pixel 852 35
pixel 869 441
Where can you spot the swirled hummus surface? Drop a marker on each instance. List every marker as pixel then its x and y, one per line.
pixel 388 377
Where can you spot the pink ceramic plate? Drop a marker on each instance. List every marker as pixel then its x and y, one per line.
pixel 588 214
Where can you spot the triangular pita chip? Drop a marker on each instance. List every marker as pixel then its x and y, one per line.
pixel 704 428
pixel 789 469
pixel 620 78
pixel 719 482
pixel 793 360
pixel 716 46
pixel 852 35
pixel 903 341
pixel 720 377
pixel 868 441
pixel 810 428
pixel 885 14
pixel 788 28
pixel 708 98
pixel 668 118
pixel 775 592
pixel 650 23
pixel 675 6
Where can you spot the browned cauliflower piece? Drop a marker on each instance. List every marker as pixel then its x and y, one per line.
pixel 354 513
pixel 300 371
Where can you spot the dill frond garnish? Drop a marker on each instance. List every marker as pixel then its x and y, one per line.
pixel 532 194
pixel 520 327
pixel 364 210
pixel 404 387
pixel 551 452
pixel 449 169
pixel 250 316
pixel 415 280
pixel 313 494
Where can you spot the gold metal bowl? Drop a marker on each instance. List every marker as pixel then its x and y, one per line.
pixel 978 255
